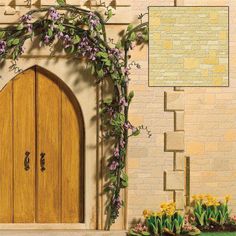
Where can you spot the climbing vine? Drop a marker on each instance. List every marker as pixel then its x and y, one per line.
pixel 82 34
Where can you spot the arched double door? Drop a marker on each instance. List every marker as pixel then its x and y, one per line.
pixel 41 151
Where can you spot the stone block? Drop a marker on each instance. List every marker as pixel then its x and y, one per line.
pixel 179 120
pixel 174 141
pixel 179 161
pixel 179 200
pixel 174 101
pixel 174 180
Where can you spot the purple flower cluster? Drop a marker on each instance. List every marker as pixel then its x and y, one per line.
pixel 117 202
pixel 127 126
pixel 53 14
pixel 26 18
pixel 131 46
pixel 86 49
pixel 116 152
pixel 139 228
pixel 110 111
pixel 115 52
pixel 46 39
pixel 2 47
pixel 126 71
pixel 30 28
pixel 122 143
pixel 67 41
pixel 113 165
pixel 93 20
pixel 123 102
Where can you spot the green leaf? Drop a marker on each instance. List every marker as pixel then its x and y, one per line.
pixel 145 38
pixel 113 179
pixel 2 34
pixel 98 27
pixel 76 39
pixel 130 96
pixel 130 27
pixel 119 45
pixel 61 2
pixel 109 14
pixel 132 37
pixel 136 132
pixel 61 27
pixel 15 54
pixel 107 62
pixel 107 101
pixel 93 69
pixel 100 73
pixel 102 54
pixel 70 49
pixel 20 27
pixel 13 42
pixel 124 184
pixel 145 233
pixel 132 233
pixel 124 176
pixel 50 33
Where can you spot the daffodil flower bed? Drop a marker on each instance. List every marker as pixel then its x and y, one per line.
pixel 207 213
pixel 166 221
pixel 212 214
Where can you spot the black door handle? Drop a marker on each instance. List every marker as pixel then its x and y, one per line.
pixel 42 161
pixel 27 161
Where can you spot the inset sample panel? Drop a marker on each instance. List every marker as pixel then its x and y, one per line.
pixel 188 46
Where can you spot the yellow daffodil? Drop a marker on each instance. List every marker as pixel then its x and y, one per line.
pixel 147 213
pixel 227 198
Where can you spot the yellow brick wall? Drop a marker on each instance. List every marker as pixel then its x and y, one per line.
pixel 210 125
pixel 188 46
pixel 147 160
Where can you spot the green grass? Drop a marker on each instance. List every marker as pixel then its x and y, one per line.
pixel 219 234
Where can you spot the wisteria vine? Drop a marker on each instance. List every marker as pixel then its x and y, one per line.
pixel 82 33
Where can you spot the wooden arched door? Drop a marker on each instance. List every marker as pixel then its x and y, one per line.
pixel 41 151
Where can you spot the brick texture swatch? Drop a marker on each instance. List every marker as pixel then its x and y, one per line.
pixel 188 46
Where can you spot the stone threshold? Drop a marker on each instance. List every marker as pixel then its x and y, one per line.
pixel 61 233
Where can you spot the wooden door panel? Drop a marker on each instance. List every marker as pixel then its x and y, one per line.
pixel 24 141
pixel 49 142
pixel 6 155
pixel 72 189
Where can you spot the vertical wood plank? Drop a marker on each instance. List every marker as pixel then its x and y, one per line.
pixel 72 182
pixel 6 155
pixel 48 138
pixel 24 141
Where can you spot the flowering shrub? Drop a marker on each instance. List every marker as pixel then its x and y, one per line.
pixel 232 220
pixel 189 228
pixel 209 210
pixel 140 229
pixel 167 220
pixel 82 33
